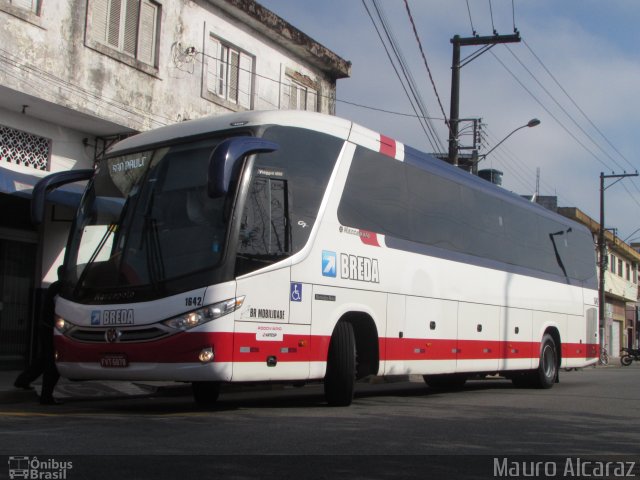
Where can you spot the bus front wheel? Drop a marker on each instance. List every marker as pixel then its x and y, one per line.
pixel 340 379
pixel 205 394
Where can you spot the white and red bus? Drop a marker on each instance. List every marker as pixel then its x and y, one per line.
pixel 291 246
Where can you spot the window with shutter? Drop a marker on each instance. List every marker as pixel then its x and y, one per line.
pixel 229 74
pixel 148 31
pixel 296 96
pixel 128 26
pixel 30 5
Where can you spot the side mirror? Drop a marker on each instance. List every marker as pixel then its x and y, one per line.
pixel 226 158
pixel 51 182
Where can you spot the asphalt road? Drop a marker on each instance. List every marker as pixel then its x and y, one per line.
pixel 591 412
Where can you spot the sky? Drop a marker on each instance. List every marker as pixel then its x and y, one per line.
pixel 577 70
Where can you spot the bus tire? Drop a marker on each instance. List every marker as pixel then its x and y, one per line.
pixel 205 394
pixel 340 379
pixel 546 373
pixel 453 381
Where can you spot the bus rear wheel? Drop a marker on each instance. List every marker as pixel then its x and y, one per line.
pixel 547 372
pixel 340 379
pixel 205 394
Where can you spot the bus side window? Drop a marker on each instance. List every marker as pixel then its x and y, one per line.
pixel 264 230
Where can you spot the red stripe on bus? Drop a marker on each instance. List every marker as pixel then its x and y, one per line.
pixel 452 349
pixel 387 146
pixel 369 238
pixel 243 347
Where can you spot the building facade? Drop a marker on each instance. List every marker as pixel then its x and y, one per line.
pixel 621 286
pixel 77 75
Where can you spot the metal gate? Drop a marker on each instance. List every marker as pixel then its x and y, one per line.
pixel 614 339
pixel 17 267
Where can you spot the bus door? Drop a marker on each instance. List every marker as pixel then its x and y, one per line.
pixel 267 346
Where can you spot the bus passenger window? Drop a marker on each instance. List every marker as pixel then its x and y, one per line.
pixel 264 229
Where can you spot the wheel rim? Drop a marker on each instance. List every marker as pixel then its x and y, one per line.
pixel 548 361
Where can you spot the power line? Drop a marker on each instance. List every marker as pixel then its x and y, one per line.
pixel 550 113
pixel 410 82
pixel 569 116
pixel 426 64
pixel 407 83
pixel 492 25
pixel 508 157
pixel 473 30
pixel 576 105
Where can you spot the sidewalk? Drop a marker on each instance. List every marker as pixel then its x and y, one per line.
pixel 91 389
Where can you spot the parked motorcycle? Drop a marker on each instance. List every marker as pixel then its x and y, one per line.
pixel 628 355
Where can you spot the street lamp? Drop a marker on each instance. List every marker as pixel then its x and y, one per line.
pixel 534 122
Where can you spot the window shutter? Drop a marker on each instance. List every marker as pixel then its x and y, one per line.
pixel 244 82
pixel 286 93
pixel 302 104
pixel 113 37
pixel 99 19
pixel 31 5
pixel 130 27
pixel 312 100
pixel 213 51
pixel 223 58
pixel 293 98
pixel 147 33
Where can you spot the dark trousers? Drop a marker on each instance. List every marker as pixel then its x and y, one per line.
pixel 44 364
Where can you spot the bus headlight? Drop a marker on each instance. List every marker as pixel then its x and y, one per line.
pixel 206 314
pixel 61 324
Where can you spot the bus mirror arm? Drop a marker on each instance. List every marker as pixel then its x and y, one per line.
pixel 225 158
pixel 49 183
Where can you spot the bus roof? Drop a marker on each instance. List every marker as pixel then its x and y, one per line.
pixel 331 125
pixel 328 124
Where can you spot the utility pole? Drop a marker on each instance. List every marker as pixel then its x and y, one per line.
pixel 602 250
pixel 456 64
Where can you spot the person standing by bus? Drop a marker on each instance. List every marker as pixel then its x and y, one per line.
pixel 44 364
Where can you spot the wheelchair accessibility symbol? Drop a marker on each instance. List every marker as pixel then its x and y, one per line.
pixel 296 292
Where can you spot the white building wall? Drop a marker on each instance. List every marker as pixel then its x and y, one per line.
pixel 57 61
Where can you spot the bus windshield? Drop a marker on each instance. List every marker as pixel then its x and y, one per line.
pixel 145 222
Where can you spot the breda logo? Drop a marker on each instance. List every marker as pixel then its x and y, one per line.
pixel 363 269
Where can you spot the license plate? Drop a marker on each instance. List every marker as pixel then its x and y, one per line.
pixel 114 360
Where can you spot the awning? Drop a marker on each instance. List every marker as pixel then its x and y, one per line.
pixel 19 180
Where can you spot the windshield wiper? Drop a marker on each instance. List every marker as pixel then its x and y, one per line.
pixel 110 229
pixel 155 261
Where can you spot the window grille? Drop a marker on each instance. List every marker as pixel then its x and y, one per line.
pixel 24 148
